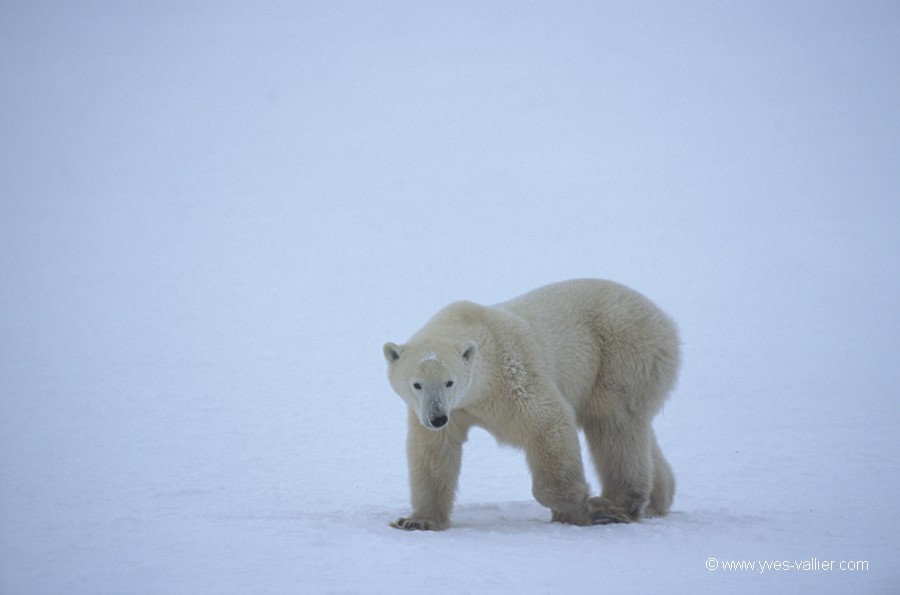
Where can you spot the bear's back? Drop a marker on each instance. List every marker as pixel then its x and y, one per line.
pixel 572 303
pixel 582 328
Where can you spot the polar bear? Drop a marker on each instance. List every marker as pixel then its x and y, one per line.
pixel 587 354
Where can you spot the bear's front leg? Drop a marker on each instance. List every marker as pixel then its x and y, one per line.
pixel 557 473
pixel 434 458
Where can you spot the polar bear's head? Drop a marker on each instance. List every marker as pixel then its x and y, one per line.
pixel 433 379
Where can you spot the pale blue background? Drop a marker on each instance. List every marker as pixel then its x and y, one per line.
pixel 212 215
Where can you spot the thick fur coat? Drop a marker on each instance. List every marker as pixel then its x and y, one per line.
pixel 586 354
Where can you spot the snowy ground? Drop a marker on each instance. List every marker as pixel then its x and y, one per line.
pixel 212 216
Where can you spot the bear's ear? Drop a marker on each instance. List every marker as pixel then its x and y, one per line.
pixel 391 352
pixel 468 351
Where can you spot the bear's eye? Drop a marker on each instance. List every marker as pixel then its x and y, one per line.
pixel 417 386
pixel 449 383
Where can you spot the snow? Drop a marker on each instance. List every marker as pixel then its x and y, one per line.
pixel 213 215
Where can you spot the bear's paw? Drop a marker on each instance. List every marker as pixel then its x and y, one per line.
pixel 419 524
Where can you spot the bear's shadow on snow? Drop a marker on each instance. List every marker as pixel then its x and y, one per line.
pixel 493 516
pixel 518 517
pixel 528 516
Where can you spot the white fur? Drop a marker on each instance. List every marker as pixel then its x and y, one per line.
pixel 585 353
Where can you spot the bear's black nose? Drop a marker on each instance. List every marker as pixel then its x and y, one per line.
pixel 439 421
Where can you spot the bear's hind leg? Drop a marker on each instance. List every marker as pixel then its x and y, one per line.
pixel 623 456
pixel 663 484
